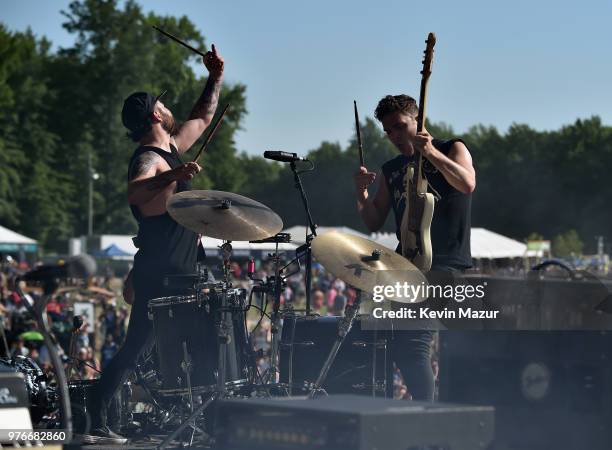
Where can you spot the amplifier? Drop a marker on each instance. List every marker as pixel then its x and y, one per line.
pixel 350 422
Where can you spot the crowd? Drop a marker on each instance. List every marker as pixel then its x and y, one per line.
pixel 95 340
pixel 99 337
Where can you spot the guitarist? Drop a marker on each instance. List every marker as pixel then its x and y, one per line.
pixel 451 176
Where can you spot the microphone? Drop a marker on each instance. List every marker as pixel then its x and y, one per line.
pixel 283 156
pixel 81 266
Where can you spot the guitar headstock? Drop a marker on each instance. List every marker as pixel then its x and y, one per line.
pixel 428 58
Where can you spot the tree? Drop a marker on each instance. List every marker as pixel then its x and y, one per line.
pixel 567 244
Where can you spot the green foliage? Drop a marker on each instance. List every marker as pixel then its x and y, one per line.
pixel 56 109
pixel 567 244
pixel 535 237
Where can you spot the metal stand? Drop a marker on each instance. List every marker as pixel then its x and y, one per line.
pixel 190 421
pixel 7 350
pixel 309 236
pixel 187 367
pixel 38 310
pixel 224 333
pixel 344 326
pixel 77 323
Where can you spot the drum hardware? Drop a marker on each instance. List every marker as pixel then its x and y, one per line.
pixel 277 238
pixel 195 282
pixel 291 345
pixel 272 286
pixel 187 367
pixel 363 264
pixel 190 421
pixel 378 344
pixel 5 346
pixel 217 314
pixel 77 323
pixel 344 326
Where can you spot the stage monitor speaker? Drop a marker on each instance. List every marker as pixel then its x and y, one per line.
pixel 350 422
pixel 551 390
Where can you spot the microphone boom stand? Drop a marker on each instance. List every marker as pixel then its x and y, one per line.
pixel 309 236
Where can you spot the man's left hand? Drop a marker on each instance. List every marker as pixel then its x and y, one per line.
pixel 214 63
pixel 423 143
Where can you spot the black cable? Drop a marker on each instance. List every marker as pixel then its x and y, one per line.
pixel 83 361
pixel 262 311
pixel 262 315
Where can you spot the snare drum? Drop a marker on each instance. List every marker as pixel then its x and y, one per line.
pixel 187 342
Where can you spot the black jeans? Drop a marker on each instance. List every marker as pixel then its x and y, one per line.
pixel 411 349
pixel 138 338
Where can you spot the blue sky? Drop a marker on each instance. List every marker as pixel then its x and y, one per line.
pixel 543 63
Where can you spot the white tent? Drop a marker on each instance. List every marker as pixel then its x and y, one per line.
pixel 484 244
pixel 298 232
pixel 12 241
pixel 211 246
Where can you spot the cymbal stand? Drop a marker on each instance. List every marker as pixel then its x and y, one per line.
pixel 275 325
pixel 187 367
pixel 224 325
pixel 77 323
pixel 344 326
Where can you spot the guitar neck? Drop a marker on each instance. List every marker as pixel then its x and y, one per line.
pixel 425 73
pixel 421 125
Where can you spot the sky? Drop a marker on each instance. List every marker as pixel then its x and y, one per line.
pixel 543 63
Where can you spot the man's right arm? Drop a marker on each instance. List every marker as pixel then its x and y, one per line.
pixel 149 176
pixel 373 211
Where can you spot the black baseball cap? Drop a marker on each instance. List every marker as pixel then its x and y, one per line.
pixel 137 110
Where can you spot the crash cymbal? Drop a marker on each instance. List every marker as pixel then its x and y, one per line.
pixel 223 215
pixel 364 264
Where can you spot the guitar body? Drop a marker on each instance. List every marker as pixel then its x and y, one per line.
pixel 416 235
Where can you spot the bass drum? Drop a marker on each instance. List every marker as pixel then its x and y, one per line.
pixel 186 341
pixel 361 366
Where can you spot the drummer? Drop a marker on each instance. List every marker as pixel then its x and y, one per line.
pixel 155 173
pixel 448 168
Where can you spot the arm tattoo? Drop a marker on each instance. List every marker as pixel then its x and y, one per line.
pixel 207 103
pixel 160 181
pixel 143 164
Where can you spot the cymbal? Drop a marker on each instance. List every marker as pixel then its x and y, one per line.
pixel 364 264
pixel 224 215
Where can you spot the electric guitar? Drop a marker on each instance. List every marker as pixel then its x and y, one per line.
pixel 416 221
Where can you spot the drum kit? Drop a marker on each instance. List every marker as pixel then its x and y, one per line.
pixel 202 346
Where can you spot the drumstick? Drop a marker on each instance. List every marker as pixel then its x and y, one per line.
pixel 361 162
pixel 179 41
pixel 212 133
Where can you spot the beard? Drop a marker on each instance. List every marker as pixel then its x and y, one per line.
pixel 169 124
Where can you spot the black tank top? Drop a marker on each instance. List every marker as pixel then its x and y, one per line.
pixel 164 246
pixel 451 223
